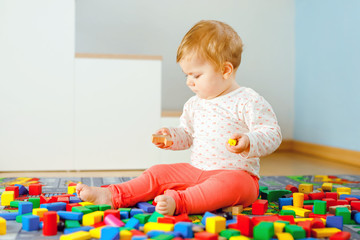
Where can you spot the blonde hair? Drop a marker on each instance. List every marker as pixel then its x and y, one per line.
pixel 214 41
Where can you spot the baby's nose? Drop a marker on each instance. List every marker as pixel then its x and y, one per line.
pixel 190 82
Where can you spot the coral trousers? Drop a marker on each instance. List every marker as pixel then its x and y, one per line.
pixel 195 191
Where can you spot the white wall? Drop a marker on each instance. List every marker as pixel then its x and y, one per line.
pixel 157 27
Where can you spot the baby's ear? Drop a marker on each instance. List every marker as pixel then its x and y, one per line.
pixel 227 70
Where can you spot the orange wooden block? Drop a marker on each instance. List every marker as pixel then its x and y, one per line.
pixel 165 139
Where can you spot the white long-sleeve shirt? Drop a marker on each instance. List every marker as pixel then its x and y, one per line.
pixel 207 125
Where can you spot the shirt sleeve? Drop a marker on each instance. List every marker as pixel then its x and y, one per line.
pixel 264 131
pixel 182 136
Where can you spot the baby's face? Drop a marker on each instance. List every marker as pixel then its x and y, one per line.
pixel 202 78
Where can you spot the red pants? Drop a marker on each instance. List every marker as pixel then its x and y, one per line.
pixel 195 191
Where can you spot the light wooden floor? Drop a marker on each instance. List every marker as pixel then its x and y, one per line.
pixel 279 163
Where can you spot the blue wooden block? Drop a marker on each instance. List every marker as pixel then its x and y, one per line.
pixel 334 221
pixel 133 223
pixel 285 202
pixel 231 221
pixel 206 215
pixel 135 211
pixel 25 207
pixel 74 200
pixel 356 218
pixel 124 214
pixel 185 228
pixel 57 206
pixel 344 196
pixel 22 189
pixel 70 215
pixel 31 223
pixel 110 233
pixel 139 237
pixel 147 207
pixel 72 230
pixel 9 215
pixel 154 233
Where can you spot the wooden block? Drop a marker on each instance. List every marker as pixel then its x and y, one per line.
pixel 341 236
pixel 298 200
pixel 259 207
pixel 215 224
pixel 92 218
pixel 344 190
pixel 81 235
pixel 235 210
pixel 232 142
pixel 264 230
pixel 35 189
pixel 15 189
pixel 324 232
pixel 284 236
pixel 158 226
pixel 165 139
pixel 327 187
pixel 7 197
pixel 305 188
pixel 298 211
pixel 2 226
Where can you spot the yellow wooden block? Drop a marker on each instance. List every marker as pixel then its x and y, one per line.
pixel 279 227
pixel 239 238
pixel 327 187
pixel 284 236
pixel 298 200
pixel 215 224
pixel 324 232
pixel 125 235
pixel 341 193
pixel 7 197
pixel 235 210
pixel 81 235
pixel 92 218
pixel 298 211
pixel 166 227
pixel 305 188
pixel 71 189
pixel 345 190
pixel 319 178
pixel 39 211
pixel 232 142
pixel 85 203
pixel 96 232
pixel 2 226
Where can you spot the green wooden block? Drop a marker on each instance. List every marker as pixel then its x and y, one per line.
pixel 125 210
pixel 286 222
pixel 274 195
pixel 288 212
pixel 154 216
pixel 264 231
pixel 72 224
pixel 81 209
pixel 345 213
pixel 296 231
pixel 163 237
pixel 35 201
pixel 309 202
pixel 14 204
pixel 319 207
pixel 93 208
pixel 125 220
pixel 229 233
pixel 125 228
pixel 19 217
pixel 104 207
pixel 142 217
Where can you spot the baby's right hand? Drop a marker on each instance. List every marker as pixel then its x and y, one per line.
pixel 159 141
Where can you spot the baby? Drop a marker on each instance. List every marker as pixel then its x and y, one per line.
pixel 220 174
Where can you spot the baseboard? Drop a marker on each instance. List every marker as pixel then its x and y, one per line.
pixel 339 155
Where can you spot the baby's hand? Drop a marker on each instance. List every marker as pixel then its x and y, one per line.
pixel 162 138
pixel 242 143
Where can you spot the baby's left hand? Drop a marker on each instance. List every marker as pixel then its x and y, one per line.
pixel 243 143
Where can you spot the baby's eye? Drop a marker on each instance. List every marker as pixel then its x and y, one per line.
pixel 197 76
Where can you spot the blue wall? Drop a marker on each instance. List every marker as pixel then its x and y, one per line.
pixel 327 72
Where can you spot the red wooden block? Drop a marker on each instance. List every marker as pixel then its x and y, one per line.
pixel 306 225
pixel 71 205
pixel 182 218
pixel 50 223
pixel 308 207
pixel 166 219
pixel 291 188
pixel 116 213
pixel 243 224
pixel 341 236
pixel 317 223
pixel 259 207
pixel 350 199
pixel 329 202
pixel 332 195
pixel 72 184
pixel 206 236
pixel 63 199
pixel 15 189
pixel 355 205
pixel 136 232
pixel 313 215
pixel 272 218
pixel 306 196
pixel 35 189
pixel 99 224
pixel 288 218
pixel 316 196
pixel 342 202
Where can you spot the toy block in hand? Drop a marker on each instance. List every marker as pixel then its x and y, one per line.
pixel 232 142
pixel 165 139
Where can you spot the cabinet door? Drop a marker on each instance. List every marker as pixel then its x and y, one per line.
pixel 117 108
pixel 36 85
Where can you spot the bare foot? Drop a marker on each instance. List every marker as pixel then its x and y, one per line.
pixel 165 205
pixel 96 195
